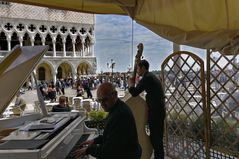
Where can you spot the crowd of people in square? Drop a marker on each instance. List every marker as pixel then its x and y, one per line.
pixel 82 85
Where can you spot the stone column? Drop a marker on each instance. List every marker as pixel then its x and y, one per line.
pixel 21 40
pixel 9 41
pixel 88 51
pixel 32 40
pixel 64 46
pixel 43 40
pixel 54 46
pixel 54 75
pixel 74 74
pixel 74 47
pixel 83 47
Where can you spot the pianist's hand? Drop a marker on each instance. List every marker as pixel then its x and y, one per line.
pixel 79 152
pixel 86 143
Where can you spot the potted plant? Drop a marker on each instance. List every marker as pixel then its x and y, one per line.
pixel 96 119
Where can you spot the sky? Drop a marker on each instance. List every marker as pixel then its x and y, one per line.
pixel 114 36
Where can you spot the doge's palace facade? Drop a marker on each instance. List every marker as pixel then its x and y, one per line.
pixel 69 35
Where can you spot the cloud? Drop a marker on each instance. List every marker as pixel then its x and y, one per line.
pixel 114 41
pixel 113 27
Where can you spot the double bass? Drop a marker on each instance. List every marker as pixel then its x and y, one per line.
pixel 140 111
pixel 137 59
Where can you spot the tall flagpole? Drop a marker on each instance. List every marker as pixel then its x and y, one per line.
pixel 132 44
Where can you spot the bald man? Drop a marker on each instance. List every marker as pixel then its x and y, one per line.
pixel 119 139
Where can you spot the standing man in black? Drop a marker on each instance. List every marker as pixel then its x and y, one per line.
pixel 156 103
pixel 119 139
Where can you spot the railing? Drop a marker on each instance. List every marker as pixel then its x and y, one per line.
pixel 201 123
pixel 3 53
pixel 60 54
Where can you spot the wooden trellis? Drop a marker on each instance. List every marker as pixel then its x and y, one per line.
pixel 199 121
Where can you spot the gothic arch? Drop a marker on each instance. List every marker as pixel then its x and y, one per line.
pixel 87 45
pixel 14 40
pixel 90 36
pixel 78 43
pixel 59 44
pixel 26 40
pixel 48 41
pixel 87 41
pixel 3 41
pixel 69 46
pixel 37 39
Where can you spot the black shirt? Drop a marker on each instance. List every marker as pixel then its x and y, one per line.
pixel 120 139
pixel 59 108
pixel 155 97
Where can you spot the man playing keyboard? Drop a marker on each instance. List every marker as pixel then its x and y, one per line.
pixel 119 139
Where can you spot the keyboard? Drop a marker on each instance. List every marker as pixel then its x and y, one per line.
pixel 83 138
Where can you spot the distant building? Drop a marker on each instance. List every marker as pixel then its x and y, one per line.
pixel 70 36
pixel 231 108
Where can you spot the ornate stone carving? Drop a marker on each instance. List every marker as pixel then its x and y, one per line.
pixel 51 23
